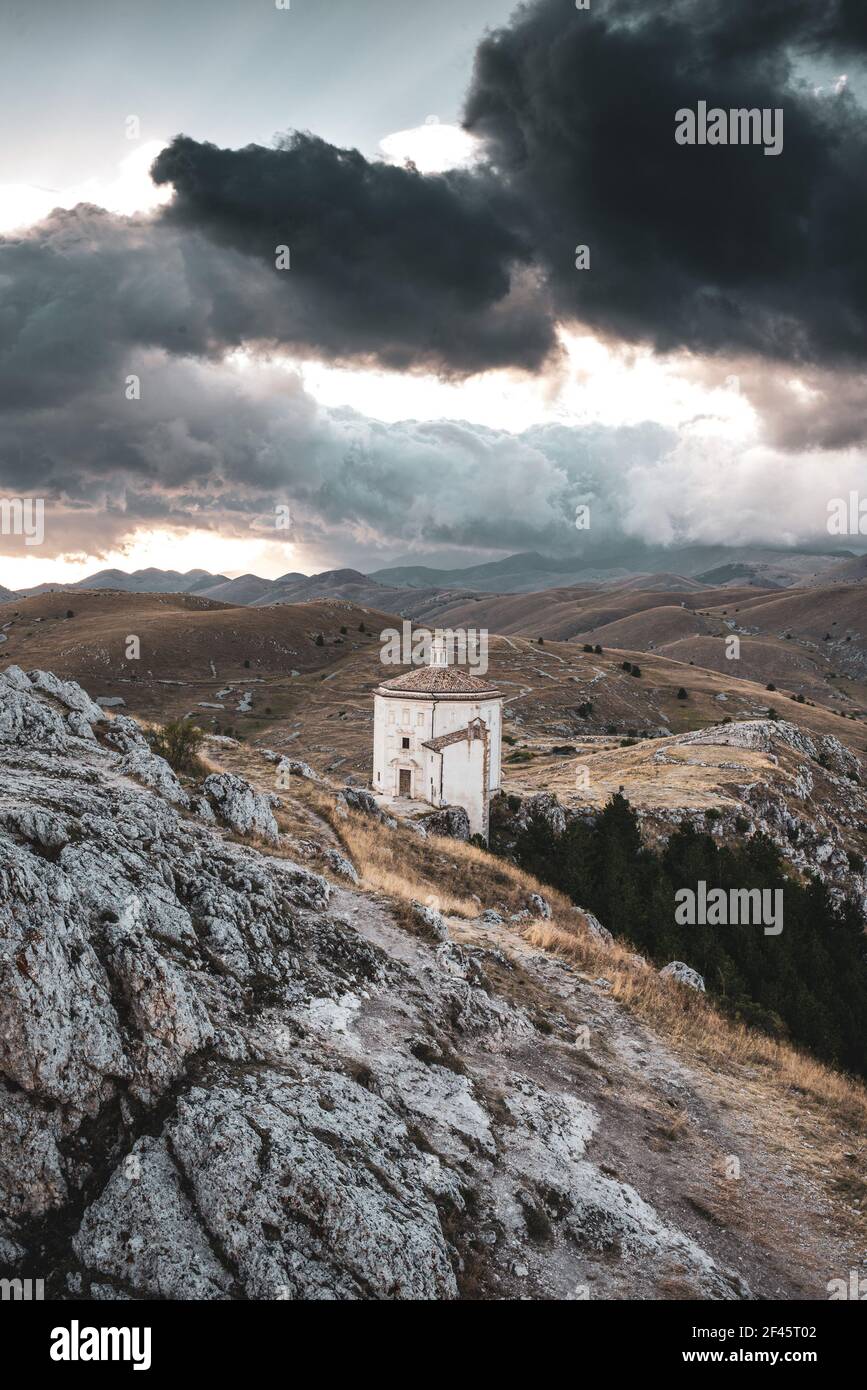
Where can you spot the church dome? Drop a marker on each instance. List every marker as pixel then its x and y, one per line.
pixel 439 682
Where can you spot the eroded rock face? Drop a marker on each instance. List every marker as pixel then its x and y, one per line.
pixel 220 1077
pixel 239 806
pixel 451 821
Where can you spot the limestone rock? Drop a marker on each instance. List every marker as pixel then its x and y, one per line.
pixel 451 821
pixel 239 806
pixel 539 906
pixel 432 920
pixel 684 974
pixel 596 929
pixel 340 865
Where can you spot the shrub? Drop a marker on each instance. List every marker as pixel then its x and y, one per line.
pixel 179 743
pixel 319 640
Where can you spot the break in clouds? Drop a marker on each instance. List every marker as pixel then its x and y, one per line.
pixel 719 255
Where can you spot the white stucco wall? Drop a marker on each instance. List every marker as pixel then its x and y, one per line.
pixel 463 781
pixel 419 719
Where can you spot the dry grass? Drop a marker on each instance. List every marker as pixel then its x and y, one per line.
pixel 688 1021
pixel 449 872
pixel 457 877
pixel 405 867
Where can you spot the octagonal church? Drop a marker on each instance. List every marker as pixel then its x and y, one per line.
pixel 437 737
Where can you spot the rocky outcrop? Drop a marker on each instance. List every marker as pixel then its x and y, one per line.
pixel 339 864
pixel 450 821
pixel 684 974
pixel 809 798
pixel 222 1078
pixel 596 929
pixel 511 815
pixel 240 807
pixel 140 761
pixel 431 921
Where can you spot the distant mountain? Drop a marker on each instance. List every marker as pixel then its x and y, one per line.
pixel 852 571
pixel 530 572
pixel 149 581
pixel 421 591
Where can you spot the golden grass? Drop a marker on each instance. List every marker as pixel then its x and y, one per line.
pixel 449 872
pixel 688 1021
pixel 455 877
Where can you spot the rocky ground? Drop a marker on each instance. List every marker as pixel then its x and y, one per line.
pixel 227 1076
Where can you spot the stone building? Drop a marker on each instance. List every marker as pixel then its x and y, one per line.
pixel 437 737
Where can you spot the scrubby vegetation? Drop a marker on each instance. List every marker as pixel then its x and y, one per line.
pixel 808 984
pixel 179 743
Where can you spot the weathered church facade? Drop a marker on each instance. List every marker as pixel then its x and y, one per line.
pixel 437 737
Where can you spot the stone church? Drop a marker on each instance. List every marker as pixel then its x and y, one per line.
pixel 437 737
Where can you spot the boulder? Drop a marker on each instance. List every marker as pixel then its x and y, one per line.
pixel 450 821
pixel 432 920
pixel 596 929
pixel 539 906
pixel 240 807
pixel 684 974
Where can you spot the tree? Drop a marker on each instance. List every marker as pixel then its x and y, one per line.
pixel 681 694
pixel 808 983
pixel 179 743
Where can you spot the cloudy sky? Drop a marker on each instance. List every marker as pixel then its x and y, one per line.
pixel 425 372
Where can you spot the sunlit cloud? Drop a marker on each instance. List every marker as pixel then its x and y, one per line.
pixel 432 147
pixel 130 191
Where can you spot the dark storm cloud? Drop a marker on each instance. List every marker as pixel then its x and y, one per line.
pixel 711 248
pixel 719 251
pixel 386 263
